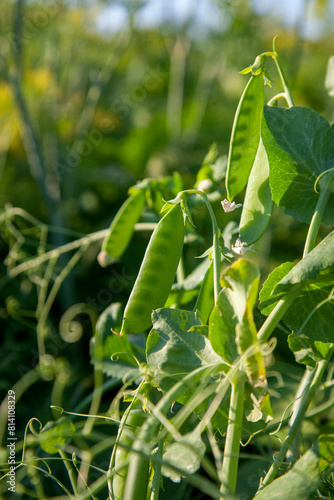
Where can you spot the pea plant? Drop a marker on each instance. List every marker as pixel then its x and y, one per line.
pixel 193 352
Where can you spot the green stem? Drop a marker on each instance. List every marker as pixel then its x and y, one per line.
pixel 310 389
pixel 278 312
pixel 287 90
pixel 157 473
pixel 71 474
pixel 68 247
pixel 138 462
pixel 233 436
pixel 325 191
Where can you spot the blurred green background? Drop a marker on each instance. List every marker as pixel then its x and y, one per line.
pixel 97 95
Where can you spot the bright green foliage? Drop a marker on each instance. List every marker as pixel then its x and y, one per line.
pixel 186 454
pixel 298 483
pixel 173 350
pixel 232 330
pixel 245 136
pixel 300 146
pixel 55 435
pixel 311 313
pixel 114 355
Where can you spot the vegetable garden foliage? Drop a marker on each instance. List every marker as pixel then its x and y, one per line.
pixel 192 358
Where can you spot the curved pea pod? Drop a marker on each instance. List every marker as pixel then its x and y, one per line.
pixel 205 299
pixel 258 203
pixel 157 272
pixel 121 228
pixel 245 136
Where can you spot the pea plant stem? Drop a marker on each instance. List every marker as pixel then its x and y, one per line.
pixel 233 436
pixel 68 247
pixel 278 312
pixel 325 191
pixel 311 386
pixel 138 462
pixel 287 91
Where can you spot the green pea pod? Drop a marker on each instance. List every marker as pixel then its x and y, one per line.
pixel 121 229
pixel 206 300
pixel 157 272
pixel 258 203
pixel 245 136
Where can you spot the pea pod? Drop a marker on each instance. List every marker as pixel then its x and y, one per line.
pixel 245 136
pixel 121 229
pixel 157 272
pixel 258 203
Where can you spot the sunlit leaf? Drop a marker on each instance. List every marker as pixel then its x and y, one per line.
pixel 300 146
pixel 55 435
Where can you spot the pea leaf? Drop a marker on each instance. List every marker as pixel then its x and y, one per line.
pixel 245 136
pixel 326 451
pixel 321 258
pixel 299 483
pixel 307 351
pixel 173 350
pixel 258 203
pixel 113 354
pixel 300 146
pixel 186 454
pixel 311 313
pixel 55 435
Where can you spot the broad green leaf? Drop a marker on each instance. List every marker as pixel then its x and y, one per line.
pixel 55 435
pixel 307 351
pixel 311 313
pixel 113 354
pixel 245 136
pixel 299 483
pixel 326 451
pixel 121 228
pixel 173 350
pixel 232 329
pixel 300 146
pixel 258 203
pixel 321 258
pixel 186 454
pixel 268 296
pixel 222 325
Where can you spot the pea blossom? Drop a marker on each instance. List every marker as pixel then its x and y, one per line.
pixel 240 247
pixel 229 206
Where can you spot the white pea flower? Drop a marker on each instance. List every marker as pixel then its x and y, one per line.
pixel 229 206
pixel 240 247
